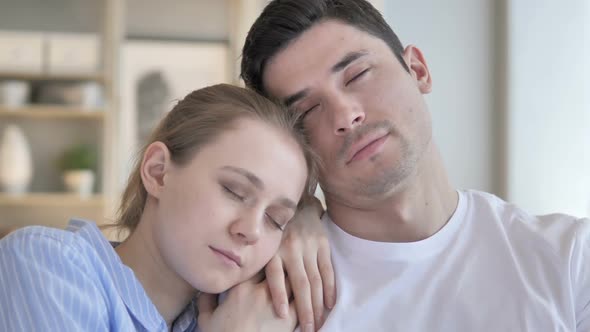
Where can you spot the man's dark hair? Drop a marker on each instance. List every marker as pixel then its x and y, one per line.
pixel 282 21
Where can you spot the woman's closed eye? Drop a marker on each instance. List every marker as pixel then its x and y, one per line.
pixel 275 222
pixel 233 193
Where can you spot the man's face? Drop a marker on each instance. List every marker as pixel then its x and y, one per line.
pixel 364 113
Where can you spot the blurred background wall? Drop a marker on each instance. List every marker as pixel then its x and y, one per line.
pixel 511 95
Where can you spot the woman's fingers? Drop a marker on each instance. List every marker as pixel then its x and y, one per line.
pixel 327 273
pixel 317 290
pixel 302 293
pixel 275 277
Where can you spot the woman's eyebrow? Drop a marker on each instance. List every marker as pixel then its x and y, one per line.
pixel 247 174
pixel 257 182
pixel 288 203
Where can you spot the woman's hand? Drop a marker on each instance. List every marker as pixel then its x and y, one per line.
pixel 247 307
pixel 305 256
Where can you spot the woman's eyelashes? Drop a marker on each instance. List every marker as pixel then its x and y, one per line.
pixel 274 222
pixel 241 196
pixel 233 193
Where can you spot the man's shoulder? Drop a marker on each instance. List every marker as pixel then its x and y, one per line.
pixel 486 204
pixel 558 230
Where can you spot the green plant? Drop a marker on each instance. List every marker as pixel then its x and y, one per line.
pixel 78 157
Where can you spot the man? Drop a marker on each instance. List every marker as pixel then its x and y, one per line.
pixel 411 253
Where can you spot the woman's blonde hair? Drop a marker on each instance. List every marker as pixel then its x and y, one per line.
pixel 197 120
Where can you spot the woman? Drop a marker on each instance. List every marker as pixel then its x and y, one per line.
pixel 206 207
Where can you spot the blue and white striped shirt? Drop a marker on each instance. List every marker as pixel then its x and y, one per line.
pixel 73 280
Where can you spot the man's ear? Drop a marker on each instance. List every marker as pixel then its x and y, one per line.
pixel 156 162
pixel 418 68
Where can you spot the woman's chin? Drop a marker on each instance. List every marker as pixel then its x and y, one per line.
pixel 215 287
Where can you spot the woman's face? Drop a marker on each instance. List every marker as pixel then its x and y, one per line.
pixel 219 218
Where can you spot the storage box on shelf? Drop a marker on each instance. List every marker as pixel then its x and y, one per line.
pixel 49 55
pixel 21 52
pixel 71 53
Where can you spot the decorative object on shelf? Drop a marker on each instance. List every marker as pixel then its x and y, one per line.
pixel 153 96
pixel 169 70
pixel 85 94
pixel 16 166
pixel 78 164
pixel 14 93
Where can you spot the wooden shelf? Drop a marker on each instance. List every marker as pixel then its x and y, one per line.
pixel 52 111
pixel 52 77
pixel 50 199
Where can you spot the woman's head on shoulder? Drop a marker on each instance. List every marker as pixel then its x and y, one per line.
pixel 221 177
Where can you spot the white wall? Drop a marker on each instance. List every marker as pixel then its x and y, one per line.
pixel 511 95
pixel 53 15
pixel 549 105
pixel 456 37
pixel 175 19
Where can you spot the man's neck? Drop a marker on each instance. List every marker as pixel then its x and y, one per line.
pixel 169 293
pixel 415 211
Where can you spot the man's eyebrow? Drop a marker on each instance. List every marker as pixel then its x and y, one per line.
pixel 247 174
pixel 348 58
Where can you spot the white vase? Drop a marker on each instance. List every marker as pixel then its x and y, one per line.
pixel 14 93
pixel 16 166
pixel 79 181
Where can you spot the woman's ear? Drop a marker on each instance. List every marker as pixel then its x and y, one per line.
pixel 156 162
pixel 418 68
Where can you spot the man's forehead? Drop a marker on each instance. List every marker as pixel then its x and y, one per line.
pixel 313 53
pixel 324 37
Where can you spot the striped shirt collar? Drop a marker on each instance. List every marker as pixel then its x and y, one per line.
pixel 132 292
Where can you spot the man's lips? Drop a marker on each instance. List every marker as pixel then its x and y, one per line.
pixel 228 255
pixel 366 146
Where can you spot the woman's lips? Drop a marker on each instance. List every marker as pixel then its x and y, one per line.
pixel 227 256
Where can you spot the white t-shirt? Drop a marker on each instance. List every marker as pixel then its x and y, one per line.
pixel 492 267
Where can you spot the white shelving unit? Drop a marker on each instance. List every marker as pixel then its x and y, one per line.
pixel 53 128
pixel 52 112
